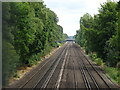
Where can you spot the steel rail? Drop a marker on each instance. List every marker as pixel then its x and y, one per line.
pixel 83 73
pixel 94 70
pixel 57 85
pixel 76 83
pixel 51 73
pixel 92 77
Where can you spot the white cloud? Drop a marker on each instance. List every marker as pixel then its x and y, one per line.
pixel 70 11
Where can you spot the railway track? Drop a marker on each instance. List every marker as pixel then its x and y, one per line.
pixel 51 70
pixel 98 81
pixel 100 72
pixel 83 72
pixel 66 68
pixel 45 78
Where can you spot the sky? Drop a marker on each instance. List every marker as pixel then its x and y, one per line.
pixel 70 11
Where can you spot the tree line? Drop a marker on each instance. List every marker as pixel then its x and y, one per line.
pixel 30 30
pixel 100 34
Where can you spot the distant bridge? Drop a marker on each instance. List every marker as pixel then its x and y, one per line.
pixel 70 40
pixel 66 40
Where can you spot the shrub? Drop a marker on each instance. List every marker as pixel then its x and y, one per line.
pixel 94 56
pixel 33 60
pixel 118 65
pixel 113 73
pixel 99 61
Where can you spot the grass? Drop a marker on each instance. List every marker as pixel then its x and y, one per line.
pixel 113 73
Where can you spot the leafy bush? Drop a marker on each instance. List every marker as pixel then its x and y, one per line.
pixel 98 61
pixel 118 65
pixel 94 56
pixel 33 60
pixel 113 73
pixel 112 51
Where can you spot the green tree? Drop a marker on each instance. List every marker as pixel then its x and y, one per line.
pixel 10 59
pixel 30 30
pixel 100 34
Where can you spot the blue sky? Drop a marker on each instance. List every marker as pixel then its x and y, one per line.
pixel 70 11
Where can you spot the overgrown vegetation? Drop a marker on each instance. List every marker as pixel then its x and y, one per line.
pixel 112 72
pixel 100 36
pixel 30 30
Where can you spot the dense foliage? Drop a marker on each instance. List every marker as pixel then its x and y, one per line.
pixel 101 34
pixel 100 37
pixel 30 30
